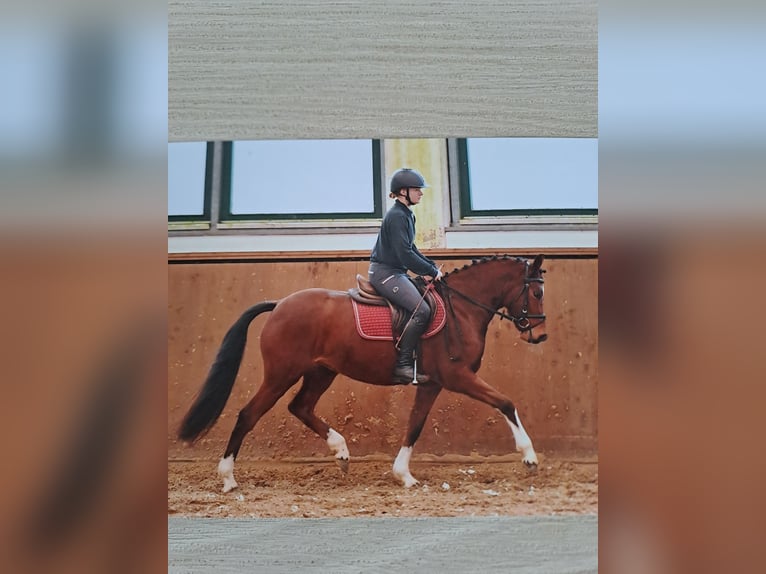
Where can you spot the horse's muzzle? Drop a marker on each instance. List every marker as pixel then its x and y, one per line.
pixel 529 337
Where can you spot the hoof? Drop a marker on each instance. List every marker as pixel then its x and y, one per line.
pixel 342 464
pixel 530 466
pixel 229 484
pixel 409 482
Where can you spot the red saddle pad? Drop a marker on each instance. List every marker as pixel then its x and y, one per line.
pixel 374 322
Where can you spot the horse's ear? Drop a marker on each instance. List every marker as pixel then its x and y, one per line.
pixel 536 264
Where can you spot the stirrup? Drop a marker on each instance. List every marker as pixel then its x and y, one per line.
pixel 419 378
pixel 406 378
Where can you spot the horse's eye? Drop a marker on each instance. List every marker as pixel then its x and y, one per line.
pixel 538 293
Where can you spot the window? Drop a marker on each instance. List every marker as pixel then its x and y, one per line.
pixel 311 179
pixel 189 181
pixel 528 176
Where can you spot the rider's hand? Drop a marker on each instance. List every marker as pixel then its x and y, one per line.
pixel 439 275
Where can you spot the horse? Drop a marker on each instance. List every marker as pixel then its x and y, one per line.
pixel 311 334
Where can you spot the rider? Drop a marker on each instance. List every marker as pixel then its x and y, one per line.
pixel 393 255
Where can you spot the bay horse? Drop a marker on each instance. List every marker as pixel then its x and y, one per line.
pixel 311 334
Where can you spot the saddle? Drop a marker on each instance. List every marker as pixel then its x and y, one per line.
pixel 375 322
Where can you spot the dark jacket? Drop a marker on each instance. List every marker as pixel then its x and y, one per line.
pixel 395 247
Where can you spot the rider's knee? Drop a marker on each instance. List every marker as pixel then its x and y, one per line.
pixel 421 315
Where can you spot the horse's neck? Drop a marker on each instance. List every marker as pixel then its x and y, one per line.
pixel 486 288
pixel 487 283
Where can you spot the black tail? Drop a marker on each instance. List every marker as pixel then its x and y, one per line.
pixel 209 404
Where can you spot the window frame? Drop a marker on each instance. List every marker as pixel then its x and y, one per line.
pixel 464 213
pixel 228 219
pixel 207 194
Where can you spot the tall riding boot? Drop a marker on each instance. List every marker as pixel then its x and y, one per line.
pixel 404 369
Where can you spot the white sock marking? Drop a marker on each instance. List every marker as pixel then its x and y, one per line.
pixel 402 467
pixel 337 445
pixel 226 472
pixel 523 442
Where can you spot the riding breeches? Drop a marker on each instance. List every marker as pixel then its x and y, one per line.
pixel 398 288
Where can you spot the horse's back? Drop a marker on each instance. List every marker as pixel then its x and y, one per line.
pixel 313 297
pixel 310 308
pixel 317 327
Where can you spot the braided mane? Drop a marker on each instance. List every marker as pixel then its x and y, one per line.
pixel 486 259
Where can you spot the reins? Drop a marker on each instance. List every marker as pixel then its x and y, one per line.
pixel 522 323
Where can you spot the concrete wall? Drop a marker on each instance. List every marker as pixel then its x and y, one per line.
pixel 554 385
pixel 241 70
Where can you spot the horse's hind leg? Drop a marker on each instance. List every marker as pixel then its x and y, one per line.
pixel 315 383
pixel 266 397
pixel 424 399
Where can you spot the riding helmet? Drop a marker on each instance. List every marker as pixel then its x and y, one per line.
pixel 405 178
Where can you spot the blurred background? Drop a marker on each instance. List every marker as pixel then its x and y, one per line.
pixel 83 132
pixel 83 135
pixel 682 242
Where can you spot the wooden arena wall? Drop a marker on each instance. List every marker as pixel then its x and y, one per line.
pixel 554 385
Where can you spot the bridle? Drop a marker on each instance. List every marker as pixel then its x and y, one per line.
pixel 522 321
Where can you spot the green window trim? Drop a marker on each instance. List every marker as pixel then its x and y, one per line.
pixel 225 201
pixel 208 193
pixel 465 195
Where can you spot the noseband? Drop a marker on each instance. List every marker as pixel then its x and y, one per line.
pixel 522 321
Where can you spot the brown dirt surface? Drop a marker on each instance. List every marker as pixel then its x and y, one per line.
pixel 470 486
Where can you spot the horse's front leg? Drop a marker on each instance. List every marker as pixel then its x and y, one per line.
pixel 470 384
pixel 424 399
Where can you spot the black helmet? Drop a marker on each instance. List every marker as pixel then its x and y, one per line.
pixel 405 178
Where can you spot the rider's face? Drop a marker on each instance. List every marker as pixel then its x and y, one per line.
pixel 415 195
